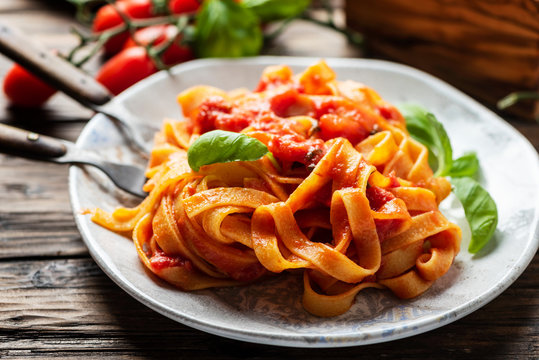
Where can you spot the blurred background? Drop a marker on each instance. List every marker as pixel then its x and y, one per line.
pixel 488 49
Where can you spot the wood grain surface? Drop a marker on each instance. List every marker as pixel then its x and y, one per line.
pixel 493 44
pixel 56 303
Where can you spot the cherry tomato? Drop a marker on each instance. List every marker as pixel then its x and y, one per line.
pixel 157 35
pixel 125 68
pixel 183 6
pixel 24 89
pixel 108 17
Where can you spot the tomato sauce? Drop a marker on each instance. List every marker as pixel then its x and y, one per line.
pixel 280 118
pixel 378 197
pixel 160 261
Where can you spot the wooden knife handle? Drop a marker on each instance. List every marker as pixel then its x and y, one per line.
pixel 52 69
pixel 29 144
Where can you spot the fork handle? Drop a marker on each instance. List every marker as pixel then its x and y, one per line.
pixel 52 69
pixel 29 144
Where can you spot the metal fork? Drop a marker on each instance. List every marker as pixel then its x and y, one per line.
pixel 40 147
pixel 75 83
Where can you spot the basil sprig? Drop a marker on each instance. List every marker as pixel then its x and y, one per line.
pixel 220 146
pixel 479 207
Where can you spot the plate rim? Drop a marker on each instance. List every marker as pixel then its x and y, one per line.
pixel 305 339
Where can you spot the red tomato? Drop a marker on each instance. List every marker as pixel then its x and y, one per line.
pixel 126 68
pixel 378 197
pixel 157 35
pixel 183 6
pixel 24 89
pixel 295 148
pixel 333 126
pixel 108 17
pixel 281 102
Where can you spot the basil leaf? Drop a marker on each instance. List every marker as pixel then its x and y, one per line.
pixel 227 29
pixel 466 165
pixel 480 210
pixel 270 10
pixel 479 207
pixel 425 128
pixel 224 146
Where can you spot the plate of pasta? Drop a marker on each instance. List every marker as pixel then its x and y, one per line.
pixel 289 205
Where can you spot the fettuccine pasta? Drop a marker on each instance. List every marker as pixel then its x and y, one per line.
pixel 351 202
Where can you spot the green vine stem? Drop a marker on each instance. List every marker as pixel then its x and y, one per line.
pixel 99 39
pixel 515 97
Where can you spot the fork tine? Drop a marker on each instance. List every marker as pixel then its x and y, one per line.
pixel 129 178
pixel 126 177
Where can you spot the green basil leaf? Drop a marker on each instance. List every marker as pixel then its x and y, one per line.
pixel 271 10
pixel 480 210
pixel 224 146
pixel 466 165
pixel 425 128
pixel 227 29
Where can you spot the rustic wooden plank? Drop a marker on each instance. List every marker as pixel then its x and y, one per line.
pixel 35 212
pixel 44 184
pixel 20 237
pixel 69 308
pixel 487 48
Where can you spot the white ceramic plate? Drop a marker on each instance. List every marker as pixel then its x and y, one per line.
pixel 271 312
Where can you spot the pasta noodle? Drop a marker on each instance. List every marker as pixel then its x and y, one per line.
pixel 352 202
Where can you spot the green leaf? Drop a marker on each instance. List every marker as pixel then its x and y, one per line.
pixel 271 10
pixel 479 207
pixel 227 29
pixel 425 128
pixel 224 146
pixel 480 210
pixel 466 165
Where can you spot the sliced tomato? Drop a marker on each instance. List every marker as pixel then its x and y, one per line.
pixel 24 89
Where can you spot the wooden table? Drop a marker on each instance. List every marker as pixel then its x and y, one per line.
pixel 56 302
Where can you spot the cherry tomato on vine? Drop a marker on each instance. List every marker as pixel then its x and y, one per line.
pixel 157 35
pixel 107 17
pixel 24 89
pixel 183 6
pixel 126 68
